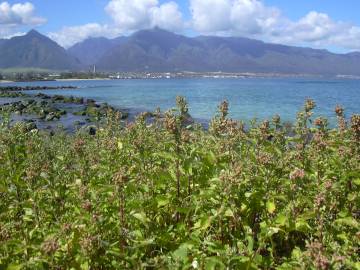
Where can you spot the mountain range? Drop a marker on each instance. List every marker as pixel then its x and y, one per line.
pixel 35 51
pixel 157 50
pixel 92 49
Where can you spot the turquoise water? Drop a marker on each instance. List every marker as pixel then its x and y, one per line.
pixel 248 98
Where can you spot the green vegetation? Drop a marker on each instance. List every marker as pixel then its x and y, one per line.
pixel 169 196
pixel 83 75
pixel 37 74
pixel 24 74
pixel 8 71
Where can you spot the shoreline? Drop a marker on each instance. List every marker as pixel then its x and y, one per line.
pixel 188 75
pixel 75 80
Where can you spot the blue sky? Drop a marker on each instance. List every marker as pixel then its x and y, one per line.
pixel 330 24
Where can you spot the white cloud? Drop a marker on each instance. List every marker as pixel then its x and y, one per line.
pixel 127 16
pixel 139 14
pixel 68 36
pixel 252 18
pixel 211 16
pixel 249 18
pixel 167 16
pixel 17 15
pixel 318 29
pixel 131 15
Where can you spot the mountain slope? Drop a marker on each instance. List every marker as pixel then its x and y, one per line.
pixel 91 50
pixel 153 50
pixel 159 50
pixel 36 51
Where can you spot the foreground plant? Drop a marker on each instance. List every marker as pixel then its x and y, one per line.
pixel 170 195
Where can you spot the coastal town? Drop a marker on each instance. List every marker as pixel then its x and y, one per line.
pixel 34 75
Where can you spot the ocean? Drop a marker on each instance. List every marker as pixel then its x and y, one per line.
pixel 249 98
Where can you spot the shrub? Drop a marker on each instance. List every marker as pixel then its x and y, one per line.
pixel 167 195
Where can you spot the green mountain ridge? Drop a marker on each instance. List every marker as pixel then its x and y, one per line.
pixel 157 50
pixel 92 49
pixel 36 51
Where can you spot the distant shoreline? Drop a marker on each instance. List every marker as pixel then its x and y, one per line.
pixel 168 76
pixel 74 80
pixel 58 80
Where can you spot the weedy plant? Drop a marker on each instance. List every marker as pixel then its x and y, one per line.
pixel 168 194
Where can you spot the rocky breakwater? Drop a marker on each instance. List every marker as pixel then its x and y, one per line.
pixel 30 88
pixel 44 111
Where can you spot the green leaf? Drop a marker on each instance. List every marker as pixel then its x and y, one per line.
pixel 141 216
pixel 271 207
pixel 3 188
pixel 348 221
pixel 250 246
pixel 241 262
pixel 214 263
pixel 357 182
pixel 203 223
pixel 248 194
pixel 85 266
pixel 14 267
pixel 120 145
pixel 28 214
pixel 182 253
pixel 162 201
pixel 229 213
pixel 281 220
pixel 302 226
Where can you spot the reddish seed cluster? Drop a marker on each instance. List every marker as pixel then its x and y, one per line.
pixel 297 174
pixel 316 253
pixel 264 158
pixel 50 246
pixel 130 126
pixel 339 111
pixel 355 126
pixel 328 184
pixel 78 145
pixel 31 173
pixel 320 122
pixel 224 108
pixel 185 136
pixel 231 127
pixel 309 105
pixel 319 200
pixel 120 177
pixel 89 243
pixel 170 124
pixel 4 234
pixel 86 205
pixel 264 129
pixel 66 227
pixel 83 191
pixel 320 141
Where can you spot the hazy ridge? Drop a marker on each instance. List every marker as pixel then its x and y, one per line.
pixel 157 50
